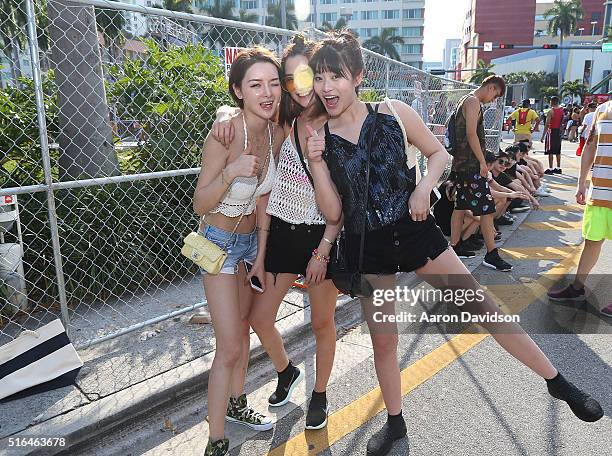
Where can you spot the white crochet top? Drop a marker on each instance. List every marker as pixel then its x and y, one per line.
pixel 293 197
pixel 241 196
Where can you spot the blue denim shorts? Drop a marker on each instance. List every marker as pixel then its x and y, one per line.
pixel 239 247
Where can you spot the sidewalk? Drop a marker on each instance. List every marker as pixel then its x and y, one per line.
pixel 131 376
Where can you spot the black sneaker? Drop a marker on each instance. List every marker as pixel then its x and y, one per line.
pixel 567 293
pixel 557 171
pixel 498 236
pixel 463 252
pixel 316 417
pixel 549 171
pixel 382 441
pixel 287 381
pixel 494 261
pixel 504 221
pixel 584 406
pixel 520 208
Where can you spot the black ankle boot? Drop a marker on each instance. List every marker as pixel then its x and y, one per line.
pixel 382 441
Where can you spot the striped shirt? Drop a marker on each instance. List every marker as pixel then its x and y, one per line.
pixel 600 193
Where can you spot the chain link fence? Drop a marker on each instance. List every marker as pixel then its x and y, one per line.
pixel 103 109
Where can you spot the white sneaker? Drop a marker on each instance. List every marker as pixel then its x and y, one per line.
pixel 540 192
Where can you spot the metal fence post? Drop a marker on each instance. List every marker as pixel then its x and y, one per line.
pixel 44 147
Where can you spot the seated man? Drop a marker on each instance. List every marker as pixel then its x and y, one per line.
pixel 520 169
pixel 498 171
pixel 502 196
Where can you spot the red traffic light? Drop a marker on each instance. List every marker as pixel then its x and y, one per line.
pixel 506 46
pixel 550 46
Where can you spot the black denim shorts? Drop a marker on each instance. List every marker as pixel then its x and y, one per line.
pixel 289 247
pixel 403 246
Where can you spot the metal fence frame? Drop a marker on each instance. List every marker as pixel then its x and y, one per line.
pixel 50 187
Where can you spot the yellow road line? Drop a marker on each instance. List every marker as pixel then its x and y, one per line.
pixel 556 225
pixel 561 186
pixel 562 208
pixel 358 412
pixel 538 253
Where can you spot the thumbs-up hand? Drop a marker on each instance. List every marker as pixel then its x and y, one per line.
pixel 315 145
pixel 246 165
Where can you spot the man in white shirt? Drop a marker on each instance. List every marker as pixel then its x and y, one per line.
pixel 587 123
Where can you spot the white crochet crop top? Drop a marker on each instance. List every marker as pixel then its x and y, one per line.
pixel 241 196
pixel 293 197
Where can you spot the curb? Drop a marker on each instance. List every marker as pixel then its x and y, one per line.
pixel 102 417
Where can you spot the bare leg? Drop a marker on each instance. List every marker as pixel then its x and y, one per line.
pixel 509 335
pixel 384 340
pixel 224 305
pixel 488 231
pixel 323 306
pixel 246 296
pixel 456 225
pixel 263 317
pixel 588 258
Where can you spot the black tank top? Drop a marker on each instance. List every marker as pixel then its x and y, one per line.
pixel 391 182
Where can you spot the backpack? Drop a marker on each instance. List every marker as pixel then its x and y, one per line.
pixel 450 135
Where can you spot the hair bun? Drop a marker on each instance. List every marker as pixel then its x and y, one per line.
pixel 299 39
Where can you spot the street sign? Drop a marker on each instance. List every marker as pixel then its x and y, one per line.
pixel 488 46
pixel 230 54
pixel 8 199
pixel 606 47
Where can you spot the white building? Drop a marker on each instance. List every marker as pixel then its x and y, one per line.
pixel 450 56
pixel 366 17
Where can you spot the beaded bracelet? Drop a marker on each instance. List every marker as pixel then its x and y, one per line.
pixel 319 257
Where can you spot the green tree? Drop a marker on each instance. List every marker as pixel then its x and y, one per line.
pixel 227 36
pixel 574 88
pixel 483 70
pixel 563 18
pixel 384 43
pixel 183 6
pixel 110 24
pixel 339 25
pixel 273 18
pixel 608 34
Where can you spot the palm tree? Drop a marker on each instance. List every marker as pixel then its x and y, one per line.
pixel 183 6
pixel 385 43
pixel 573 88
pixel 563 19
pixel 483 70
pixel 273 18
pixel 110 24
pixel 340 24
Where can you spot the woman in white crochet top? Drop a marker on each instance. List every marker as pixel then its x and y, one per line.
pixel 299 240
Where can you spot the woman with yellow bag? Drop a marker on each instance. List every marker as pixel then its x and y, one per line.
pixel 232 189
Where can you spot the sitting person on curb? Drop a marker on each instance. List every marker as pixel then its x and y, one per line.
pixel 506 181
pixel 520 169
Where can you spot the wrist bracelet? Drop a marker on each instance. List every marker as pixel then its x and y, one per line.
pixel 328 241
pixel 319 257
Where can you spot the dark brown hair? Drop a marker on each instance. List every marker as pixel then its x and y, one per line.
pixel 497 80
pixel 245 60
pixel 340 54
pixel 289 109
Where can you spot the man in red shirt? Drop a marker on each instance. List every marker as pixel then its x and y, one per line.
pixel 552 136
